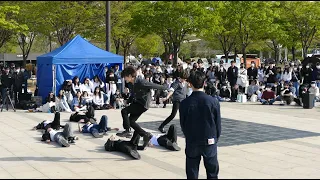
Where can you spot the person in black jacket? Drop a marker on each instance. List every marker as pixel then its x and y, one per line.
pixel 221 74
pixel 252 72
pixel 7 82
pixel 18 79
pixel 179 91
pixel 232 74
pixel 200 121
pixel 140 104
pixel 271 74
pixel 307 74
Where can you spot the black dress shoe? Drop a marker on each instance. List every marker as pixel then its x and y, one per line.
pixel 161 129
pixel 126 134
pixel 146 139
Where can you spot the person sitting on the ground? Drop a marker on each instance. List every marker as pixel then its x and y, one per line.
pixel 55 124
pixel 61 102
pixel 117 100
pixel 62 138
pixel 224 94
pixel 252 88
pixel 50 105
pixel 96 129
pixel 78 103
pixel 286 95
pixel 234 93
pixel 87 99
pixel 98 100
pixel 268 96
pixel 87 86
pixel 314 90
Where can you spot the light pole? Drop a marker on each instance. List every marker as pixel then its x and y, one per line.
pixel 108 26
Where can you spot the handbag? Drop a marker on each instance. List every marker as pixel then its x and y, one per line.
pixel 254 98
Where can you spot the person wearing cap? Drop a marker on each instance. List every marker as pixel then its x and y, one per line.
pixel 268 96
pixel 307 74
pixel 200 121
pixel 252 72
pixel 316 74
pixel 224 93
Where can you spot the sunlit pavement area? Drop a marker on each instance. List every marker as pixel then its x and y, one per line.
pixel 257 142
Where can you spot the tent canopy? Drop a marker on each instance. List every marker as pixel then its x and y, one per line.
pixel 79 51
pixel 78 57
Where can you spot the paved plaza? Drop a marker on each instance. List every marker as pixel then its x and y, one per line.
pixel 257 142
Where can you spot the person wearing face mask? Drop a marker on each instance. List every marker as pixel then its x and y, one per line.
pixel 261 73
pixel 286 75
pixel 316 74
pixel 111 85
pixel 252 72
pixel 314 90
pixel 178 91
pixel 26 76
pixel 296 77
pixel 221 75
pixel 271 73
pixel 286 95
pixel 242 79
pixel 224 94
pixel 307 75
pixel 200 66
pixel 268 96
pixel 148 71
pixel 232 74
pixel 7 82
pixel 169 70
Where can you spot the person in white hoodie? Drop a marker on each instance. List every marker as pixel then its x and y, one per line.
pixel 286 75
pixel 98 101
pixel 97 82
pixel 242 79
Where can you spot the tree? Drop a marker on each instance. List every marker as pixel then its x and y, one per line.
pixel 253 19
pixel 171 20
pixel 302 18
pixel 8 24
pixel 149 45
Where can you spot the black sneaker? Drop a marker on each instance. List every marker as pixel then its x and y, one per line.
pixel 135 154
pixel 125 133
pixel 146 139
pixel 96 134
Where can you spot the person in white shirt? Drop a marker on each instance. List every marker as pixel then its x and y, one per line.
pixel 286 75
pixel 242 79
pixel 314 90
pixel 76 86
pixel 97 82
pixel 61 102
pixel 87 98
pixel 98 101
pixel 64 138
pixel 87 86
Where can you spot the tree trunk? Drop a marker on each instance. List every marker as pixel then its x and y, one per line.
pixel 276 53
pixel 175 54
pixel 125 55
pixel 305 52
pixel 244 55
pixel 50 45
pixel 293 51
pixel 226 55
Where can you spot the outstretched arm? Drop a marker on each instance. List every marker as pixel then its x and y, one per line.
pixel 80 129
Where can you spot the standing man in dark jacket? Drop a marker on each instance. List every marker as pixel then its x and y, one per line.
pixel 17 84
pixel 200 121
pixel 316 74
pixel 179 92
pixel 271 74
pixel 252 72
pixel 140 104
pixel 6 81
pixel 232 74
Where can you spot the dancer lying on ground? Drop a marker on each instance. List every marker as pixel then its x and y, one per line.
pixel 62 138
pixel 169 141
pixel 55 124
pixel 96 129
pixel 89 116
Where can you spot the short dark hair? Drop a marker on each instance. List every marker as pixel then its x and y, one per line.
pixel 130 70
pixel 197 79
pixel 184 74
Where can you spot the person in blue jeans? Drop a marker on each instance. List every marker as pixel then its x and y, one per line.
pixel 96 129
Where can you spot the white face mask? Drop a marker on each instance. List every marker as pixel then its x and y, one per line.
pixel 292 64
pixel 307 67
pixel 252 65
pixel 295 69
pixel 300 67
pixel 148 69
pixel 268 89
pixel 22 70
pixel 224 87
pixel 318 67
pixel 267 67
pixel 313 85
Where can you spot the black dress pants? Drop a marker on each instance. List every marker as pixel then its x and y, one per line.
pixel 134 110
pixel 167 140
pixel 175 108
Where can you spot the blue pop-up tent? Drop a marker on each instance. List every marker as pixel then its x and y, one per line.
pixel 78 57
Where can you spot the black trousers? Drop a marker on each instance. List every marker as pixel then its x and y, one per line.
pixel 167 140
pixel 175 108
pixel 134 110
pixel 158 94
pixel 193 158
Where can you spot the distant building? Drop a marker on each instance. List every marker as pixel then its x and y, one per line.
pixel 7 58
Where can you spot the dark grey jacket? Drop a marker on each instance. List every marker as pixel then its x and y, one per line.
pixel 179 91
pixel 142 91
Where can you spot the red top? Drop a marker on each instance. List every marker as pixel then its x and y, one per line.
pixel 268 95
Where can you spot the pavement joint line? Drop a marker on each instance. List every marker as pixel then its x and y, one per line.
pixel 292 141
pixel 145 158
